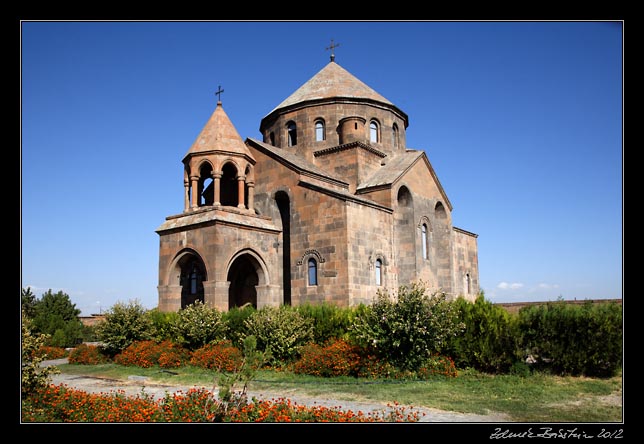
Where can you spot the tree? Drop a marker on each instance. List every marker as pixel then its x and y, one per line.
pixel 28 302
pixel 56 316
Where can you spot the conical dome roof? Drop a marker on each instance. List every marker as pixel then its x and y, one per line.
pixel 219 134
pixel 330 82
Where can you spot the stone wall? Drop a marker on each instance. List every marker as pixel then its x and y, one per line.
pixel 216 236
pixel 466 267
pixel 369 235
pixel 332 113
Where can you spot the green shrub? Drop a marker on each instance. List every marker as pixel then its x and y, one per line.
pixel 280 331
pixel 489 342
pixel 197 325
pixel 87 355
pixel 33 377
pixel 235 320
pixel 520 368
pixel 329 321
pixel 89 333
pixel 123 325
pixel 407 330
pixel 162 324
pixel 574 339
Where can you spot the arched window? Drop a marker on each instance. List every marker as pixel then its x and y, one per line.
pixel 394 135
pixel 313 272
pixel 271 138
pixel 378 272
pixel 292 133
pixel 319 131
pixel 468 284
pixel 423 230
pixel 194 280
pixel 373 131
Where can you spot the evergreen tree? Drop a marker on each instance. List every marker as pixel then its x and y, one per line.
pixel 55 315
pixel 28 302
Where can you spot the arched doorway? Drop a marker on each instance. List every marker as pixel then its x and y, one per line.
pixel 244 278
pixel 191 278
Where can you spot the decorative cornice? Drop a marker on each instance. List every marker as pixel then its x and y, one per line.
pixel 218 152
pixel 311 252
pixel 348 146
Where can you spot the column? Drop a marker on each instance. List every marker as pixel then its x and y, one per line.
pixel 251 196
pixel 186 195
pixel 195 191
pixel 240 191
pixel 216 177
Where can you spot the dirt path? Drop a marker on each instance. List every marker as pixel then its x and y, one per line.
pixel 138 386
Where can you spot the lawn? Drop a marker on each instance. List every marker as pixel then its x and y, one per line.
pixel 535 398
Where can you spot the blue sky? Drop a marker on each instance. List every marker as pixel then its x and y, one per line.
pixel 522 122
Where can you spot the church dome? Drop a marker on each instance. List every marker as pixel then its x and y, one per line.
pixel 332 81
pixel 327 99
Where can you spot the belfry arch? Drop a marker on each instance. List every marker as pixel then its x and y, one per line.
pixel 229 189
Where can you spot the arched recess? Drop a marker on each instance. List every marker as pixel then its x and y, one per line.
pixel 405 235
pixel 245 273
pixel 190 271
pixel 439 211
pixel 284 205
pixel 229 189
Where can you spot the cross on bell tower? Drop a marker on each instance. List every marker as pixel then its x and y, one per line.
pixel 218 94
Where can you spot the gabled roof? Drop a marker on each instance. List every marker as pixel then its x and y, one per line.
pixel 219 134
pixel 305 168
pixel 295 162
pixel 393 170
pixel 332 81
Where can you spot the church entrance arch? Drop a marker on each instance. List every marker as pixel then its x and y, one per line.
pixel 244 274
pixel 192 274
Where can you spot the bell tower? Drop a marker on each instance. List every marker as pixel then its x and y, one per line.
pixel 218 168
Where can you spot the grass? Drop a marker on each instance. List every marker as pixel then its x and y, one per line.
pixel 535 398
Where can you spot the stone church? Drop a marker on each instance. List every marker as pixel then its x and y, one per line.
pixel 329 206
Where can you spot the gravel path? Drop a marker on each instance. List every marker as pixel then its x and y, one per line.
pixel 137 386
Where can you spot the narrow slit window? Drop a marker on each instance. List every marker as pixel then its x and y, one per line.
pixel 378 272
pixel 292 134
pixel 394 135
pixel 423 230
pixel 313 272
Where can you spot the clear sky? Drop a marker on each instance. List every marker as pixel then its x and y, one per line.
pixel 522 122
